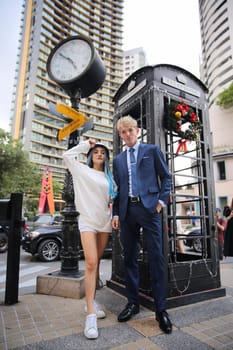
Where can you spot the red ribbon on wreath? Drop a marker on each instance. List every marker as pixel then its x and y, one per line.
pixel 182 146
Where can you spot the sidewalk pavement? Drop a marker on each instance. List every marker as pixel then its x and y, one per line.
pixel 42 322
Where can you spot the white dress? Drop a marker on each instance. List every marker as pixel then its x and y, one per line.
pixel 90 191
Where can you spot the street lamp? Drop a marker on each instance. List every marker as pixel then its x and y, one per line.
pixel 77 68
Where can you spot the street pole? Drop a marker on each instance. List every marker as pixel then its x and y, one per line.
pixel 70 231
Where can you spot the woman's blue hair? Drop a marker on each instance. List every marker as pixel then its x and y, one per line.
pixel 112 187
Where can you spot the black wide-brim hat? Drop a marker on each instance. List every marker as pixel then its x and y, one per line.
pixel 98 144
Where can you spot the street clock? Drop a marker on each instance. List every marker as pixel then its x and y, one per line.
pixel 76 67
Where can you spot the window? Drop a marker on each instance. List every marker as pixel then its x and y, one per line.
pixel 221 170
pixel 222 202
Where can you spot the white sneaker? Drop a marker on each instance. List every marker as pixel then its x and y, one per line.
pixel 91 330
pixel 99 312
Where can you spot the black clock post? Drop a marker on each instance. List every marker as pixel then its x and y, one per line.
pixel 70 232
pixel 77 68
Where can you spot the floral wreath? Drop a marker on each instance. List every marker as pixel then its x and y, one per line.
pixel 179 113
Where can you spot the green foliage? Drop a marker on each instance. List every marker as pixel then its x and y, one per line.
pixel 57 189
pixel 17 173
pixel 225 98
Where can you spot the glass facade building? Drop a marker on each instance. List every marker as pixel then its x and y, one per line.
pixel 216 24
pixel 216 18
pixel 44 24
pixel 133 60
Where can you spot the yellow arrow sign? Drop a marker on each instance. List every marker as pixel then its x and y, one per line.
pixel 69 111
pixel 68 129
pixel 79 120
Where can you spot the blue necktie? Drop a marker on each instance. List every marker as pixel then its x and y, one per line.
pixel 133 172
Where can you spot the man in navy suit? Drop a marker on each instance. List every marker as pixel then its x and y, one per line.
pixel 144 186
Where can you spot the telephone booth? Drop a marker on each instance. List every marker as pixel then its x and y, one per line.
pixel 170 106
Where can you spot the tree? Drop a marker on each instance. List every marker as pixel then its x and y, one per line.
pixel 225 98
pixel 17 173
pixel 57 189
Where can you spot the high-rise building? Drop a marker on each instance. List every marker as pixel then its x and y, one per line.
pixel 133 60
pixel 44 24
pixel 216 21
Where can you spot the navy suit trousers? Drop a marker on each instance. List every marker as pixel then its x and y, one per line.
pixel 139 217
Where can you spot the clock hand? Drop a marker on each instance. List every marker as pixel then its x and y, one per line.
pixel 68 59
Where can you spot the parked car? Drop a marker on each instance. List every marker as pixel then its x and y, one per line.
pixel 45 242
pixel 44 220
pixel 192 241
pixel 4 232
pixel 3 238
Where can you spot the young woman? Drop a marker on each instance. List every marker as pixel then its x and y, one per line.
pixel 94 190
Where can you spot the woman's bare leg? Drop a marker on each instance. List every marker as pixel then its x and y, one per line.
pixel 89 244
pixel 102 241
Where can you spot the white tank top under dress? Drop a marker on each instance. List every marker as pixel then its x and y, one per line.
pixel 90 191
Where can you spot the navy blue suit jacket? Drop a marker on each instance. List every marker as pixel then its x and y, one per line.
pixel 154 179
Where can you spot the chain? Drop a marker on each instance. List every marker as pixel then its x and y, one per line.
pixel 190 265
pixel 175 281
pixel 212 275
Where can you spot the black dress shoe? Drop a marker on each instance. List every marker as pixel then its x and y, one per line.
pixel 164 322
pixel 128 312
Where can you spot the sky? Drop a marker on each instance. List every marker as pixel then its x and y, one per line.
pixel 168 31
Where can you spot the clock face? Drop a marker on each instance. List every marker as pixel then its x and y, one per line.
pixel 70 60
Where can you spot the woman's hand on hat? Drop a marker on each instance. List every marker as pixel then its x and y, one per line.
pixel 92 142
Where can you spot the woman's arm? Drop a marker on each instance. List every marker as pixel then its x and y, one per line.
pixel 230 216
pixel 71 156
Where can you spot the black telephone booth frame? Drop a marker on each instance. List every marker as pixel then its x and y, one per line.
pixel 145 96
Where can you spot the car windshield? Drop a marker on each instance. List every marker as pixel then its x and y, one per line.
pixel 43 219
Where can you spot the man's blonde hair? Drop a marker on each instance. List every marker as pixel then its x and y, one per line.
pixel 126 121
